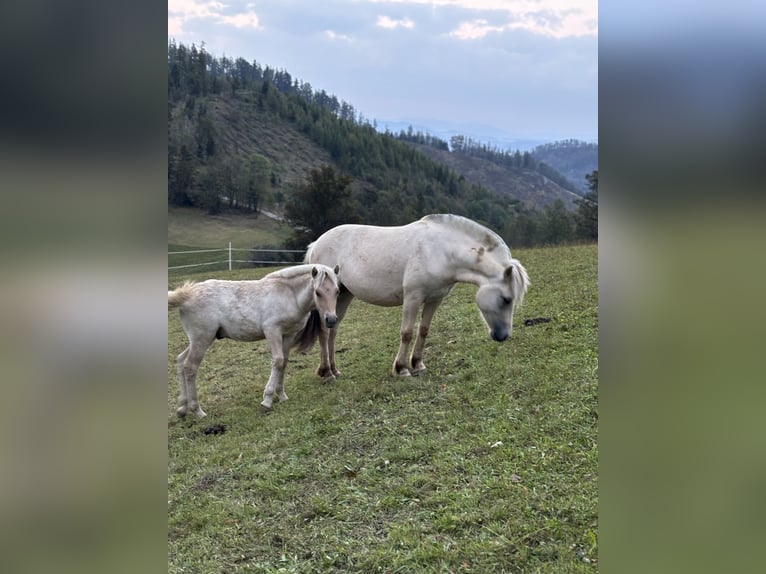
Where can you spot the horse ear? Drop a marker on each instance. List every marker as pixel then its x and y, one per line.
pixel 314 271
pixel 508 272
pixel 337 269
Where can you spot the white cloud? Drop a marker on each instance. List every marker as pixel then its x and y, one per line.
pixel 332 35
pixel 386 22
pixel 243 20
pixel 181 11
pixel 552 18
pixel 474 30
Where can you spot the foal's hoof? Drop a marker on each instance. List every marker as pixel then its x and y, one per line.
pixel 266 410
pixel 329 379
pixel 404 372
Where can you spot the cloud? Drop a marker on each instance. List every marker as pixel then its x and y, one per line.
pixel 474 30
pixel 551 18
pixel 386 22
pixel 244 20
pixel 181 11
pixel 332 35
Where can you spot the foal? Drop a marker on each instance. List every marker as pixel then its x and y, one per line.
pixel 286 307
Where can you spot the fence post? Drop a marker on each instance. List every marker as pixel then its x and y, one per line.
pixel 229 255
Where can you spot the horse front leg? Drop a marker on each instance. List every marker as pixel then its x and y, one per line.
pixel 327 369
pixel 278 363
pixel 409 314
pixel 425 324
pixel 326 360
pixel 280 388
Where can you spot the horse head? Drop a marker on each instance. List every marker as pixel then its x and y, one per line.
pixel 498 297
pixel 326 289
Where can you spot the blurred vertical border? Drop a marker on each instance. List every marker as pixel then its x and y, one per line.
pixel 682 279
pixel 83 234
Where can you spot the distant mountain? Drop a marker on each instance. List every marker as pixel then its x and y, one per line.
pixel 445 130
pixel 574 159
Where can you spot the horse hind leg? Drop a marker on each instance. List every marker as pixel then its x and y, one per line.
pixel 189 367
pixel 183 403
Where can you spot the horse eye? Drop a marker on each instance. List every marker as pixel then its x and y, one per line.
pixel 318 293
pixel 507 300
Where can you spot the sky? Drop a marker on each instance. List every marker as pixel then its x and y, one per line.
pixel 490 69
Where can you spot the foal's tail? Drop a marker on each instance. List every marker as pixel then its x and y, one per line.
pixel 304 340
pixel 181 295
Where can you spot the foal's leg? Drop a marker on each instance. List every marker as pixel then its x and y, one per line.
pixel 409 314
pixel 425 323
pixel 280 389
pixel 278 362
pixel 327 369
pixel 183 405
pixel 190 365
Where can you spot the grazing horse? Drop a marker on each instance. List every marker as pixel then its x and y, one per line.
pixel 288 308
pixel 419 264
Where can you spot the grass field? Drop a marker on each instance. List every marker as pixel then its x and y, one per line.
pixel 487 463
pixel 191 229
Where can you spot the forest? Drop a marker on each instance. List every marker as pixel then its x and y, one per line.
pixel 345 167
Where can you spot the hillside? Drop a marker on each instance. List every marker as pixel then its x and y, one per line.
pixel 243 129
pixel 571 158
pixel 527 185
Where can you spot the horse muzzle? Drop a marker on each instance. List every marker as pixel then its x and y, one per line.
pixel 330 321
pixel 500 334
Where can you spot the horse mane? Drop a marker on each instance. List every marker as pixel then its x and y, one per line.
pixel 519 282
pixel 292 272
pixel 479 232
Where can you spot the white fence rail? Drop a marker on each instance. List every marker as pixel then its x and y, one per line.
pixel 230 257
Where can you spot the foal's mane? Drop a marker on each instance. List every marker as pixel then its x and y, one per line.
pixel 476 231
pixel 298 270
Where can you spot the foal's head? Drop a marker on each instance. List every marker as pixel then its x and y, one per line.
pixel 326 289
pixel 498 298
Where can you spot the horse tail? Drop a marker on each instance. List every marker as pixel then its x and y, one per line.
pixel 304 340
pixel 309 249
pixel 519 282
pixel 181 295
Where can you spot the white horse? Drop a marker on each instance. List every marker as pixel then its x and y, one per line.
pixel 419 264
pixel 286 308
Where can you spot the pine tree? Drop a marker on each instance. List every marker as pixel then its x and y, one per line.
pixel 586 217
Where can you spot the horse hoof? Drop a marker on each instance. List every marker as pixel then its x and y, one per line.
pixel 181 412
pixel 419 371
pixel 265 410
pixel 329 379
pixel 200 413
pixel 403 373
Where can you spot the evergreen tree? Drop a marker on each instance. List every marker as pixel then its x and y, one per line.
pixel 586 217
pixel 558 223
pixel 323 202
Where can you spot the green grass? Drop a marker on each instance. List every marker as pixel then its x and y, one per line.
pixel 487 463
pixel 191 229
